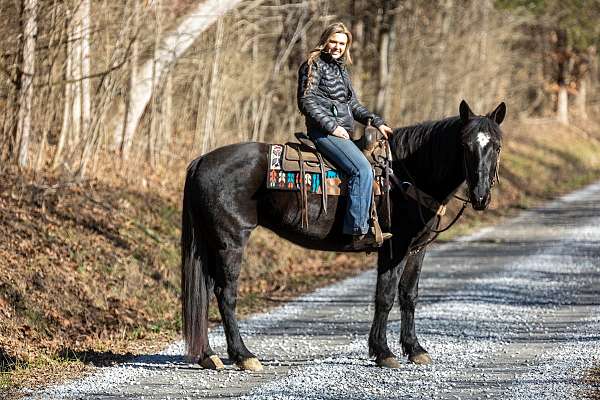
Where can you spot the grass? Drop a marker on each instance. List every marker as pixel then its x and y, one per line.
pixel 593 379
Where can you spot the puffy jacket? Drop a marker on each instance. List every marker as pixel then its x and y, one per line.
pixel 330 101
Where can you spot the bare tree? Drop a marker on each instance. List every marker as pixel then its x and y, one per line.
pixel 386 33
pixel 213 90
pixel 29 18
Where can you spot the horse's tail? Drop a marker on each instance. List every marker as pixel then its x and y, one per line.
pixel 194 277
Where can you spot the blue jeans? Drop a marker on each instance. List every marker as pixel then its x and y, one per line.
pixel 346 156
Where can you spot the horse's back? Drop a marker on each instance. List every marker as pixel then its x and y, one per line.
pixel 241 165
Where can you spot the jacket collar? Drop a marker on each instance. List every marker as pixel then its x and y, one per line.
pixel 330 60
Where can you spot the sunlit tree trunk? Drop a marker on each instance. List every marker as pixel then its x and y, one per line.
pixel 388 22
pixel 155 117
pixel 211 109
pixel 29 18
pixel 119 136
pixel 358 32
pixel 78 107
pixel 441 80
pixel 562 107
pixel 50 89
pixel 581 98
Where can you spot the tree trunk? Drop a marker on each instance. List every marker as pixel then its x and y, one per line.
pixel 173 45
pixel 155 117
pixel 562 109
pixel 119 136
pixel 86 103
pixel 50 89
pixel 358 45
pixel 388 24
pixel 77 110
pixel 211 109
pixel 28 72
pixel 441 81
pixel 581 98
pixel 68 106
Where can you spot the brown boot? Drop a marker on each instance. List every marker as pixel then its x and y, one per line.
pixel 368 240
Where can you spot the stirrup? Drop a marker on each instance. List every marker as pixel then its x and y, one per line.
pixel 369 240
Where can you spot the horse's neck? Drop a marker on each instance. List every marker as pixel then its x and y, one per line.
pixel 436 164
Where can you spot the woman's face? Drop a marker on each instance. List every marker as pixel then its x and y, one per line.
pixel 336 45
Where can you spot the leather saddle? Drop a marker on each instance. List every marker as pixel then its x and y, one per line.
pixel 299 166
pixel 304 149
pixel 303 155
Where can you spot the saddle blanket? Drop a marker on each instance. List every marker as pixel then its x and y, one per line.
pixel 279 178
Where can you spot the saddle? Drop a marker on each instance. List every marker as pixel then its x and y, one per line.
pixel 299 166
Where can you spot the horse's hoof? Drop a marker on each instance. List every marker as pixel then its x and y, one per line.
pixel 420 359
pixel 250 364
pixel 212 362
pixel 388 362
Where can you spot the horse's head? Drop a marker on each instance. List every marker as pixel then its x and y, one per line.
pixel 481 141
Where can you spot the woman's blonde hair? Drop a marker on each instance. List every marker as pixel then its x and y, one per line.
pixel 336 27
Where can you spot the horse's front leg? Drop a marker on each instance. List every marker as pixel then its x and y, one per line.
pixel 408 293
pixel 388 272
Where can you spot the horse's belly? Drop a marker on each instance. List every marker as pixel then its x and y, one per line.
pixel 281 212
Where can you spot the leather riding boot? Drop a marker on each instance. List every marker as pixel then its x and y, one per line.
pixel 368 240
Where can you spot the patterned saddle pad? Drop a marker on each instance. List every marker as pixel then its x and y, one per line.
pixel 284 172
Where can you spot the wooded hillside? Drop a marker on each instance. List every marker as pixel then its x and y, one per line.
pixel 149 85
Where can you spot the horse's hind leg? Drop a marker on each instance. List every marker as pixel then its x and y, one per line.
pixel 226 292
pixel 408 293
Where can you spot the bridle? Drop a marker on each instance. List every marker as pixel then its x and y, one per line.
pixel 440 209
pixel 495 177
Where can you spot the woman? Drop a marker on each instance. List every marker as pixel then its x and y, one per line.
pixel 329 104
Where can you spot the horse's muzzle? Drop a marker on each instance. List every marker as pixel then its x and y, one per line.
pixel 480 202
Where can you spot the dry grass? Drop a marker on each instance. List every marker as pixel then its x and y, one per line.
pixel 593 378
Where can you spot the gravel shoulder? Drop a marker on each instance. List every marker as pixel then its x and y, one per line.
pixel 510 312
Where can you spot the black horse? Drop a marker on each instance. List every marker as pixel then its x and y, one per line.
pixel 225 198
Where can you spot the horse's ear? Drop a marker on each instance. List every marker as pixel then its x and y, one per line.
pixel 498 114
pixel 465 112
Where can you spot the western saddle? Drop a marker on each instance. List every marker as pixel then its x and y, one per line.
pixel 299 166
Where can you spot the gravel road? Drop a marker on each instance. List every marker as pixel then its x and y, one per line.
pixel 511 312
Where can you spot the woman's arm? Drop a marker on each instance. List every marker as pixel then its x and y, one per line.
pixel 360 112
pixel 309 103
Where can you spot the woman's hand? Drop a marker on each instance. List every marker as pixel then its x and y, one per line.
pixel 341 132
pixel 385 130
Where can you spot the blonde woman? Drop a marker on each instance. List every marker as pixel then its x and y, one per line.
pixel 329 104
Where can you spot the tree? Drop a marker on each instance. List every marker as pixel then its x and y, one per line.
pixel 27 73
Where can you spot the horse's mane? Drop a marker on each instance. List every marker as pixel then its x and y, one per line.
pixel 430 138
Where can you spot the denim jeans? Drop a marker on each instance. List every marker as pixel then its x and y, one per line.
pixel 346 156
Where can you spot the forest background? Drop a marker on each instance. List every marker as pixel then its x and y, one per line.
pixel 104 103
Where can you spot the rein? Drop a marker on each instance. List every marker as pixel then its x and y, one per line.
pixel 433 205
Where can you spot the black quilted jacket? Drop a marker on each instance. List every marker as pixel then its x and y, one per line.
pixel 331 100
